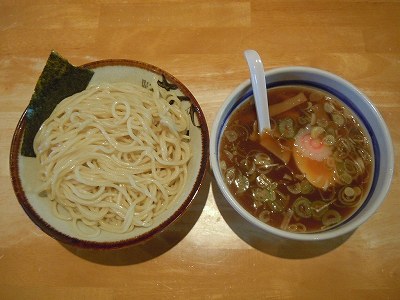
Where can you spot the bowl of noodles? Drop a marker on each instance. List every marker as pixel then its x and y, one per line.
pixel 323 168
pixel 115 163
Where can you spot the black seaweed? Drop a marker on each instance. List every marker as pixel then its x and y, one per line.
pixel 59 79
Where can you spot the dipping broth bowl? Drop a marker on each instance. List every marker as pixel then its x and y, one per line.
pixel 354 99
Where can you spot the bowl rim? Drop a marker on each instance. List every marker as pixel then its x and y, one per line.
pixel 345 228
pixel 91 244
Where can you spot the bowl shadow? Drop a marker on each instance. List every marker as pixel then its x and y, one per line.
pixel 155 246
pixel 267 242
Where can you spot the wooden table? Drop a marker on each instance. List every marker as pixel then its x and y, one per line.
pixel 211 253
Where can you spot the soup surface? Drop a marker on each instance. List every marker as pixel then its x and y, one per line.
pixel 310 172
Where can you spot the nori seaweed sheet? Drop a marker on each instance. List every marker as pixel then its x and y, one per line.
pixel 59 80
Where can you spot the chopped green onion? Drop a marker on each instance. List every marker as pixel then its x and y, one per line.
pixel 262 159
pixel 247 166
pixel 276 206
pixel 231 135
pixel 328 107
pixel 286 128
pixel 317 131
pixel 338 119
pixel 329 140
pixel 313 118
pixel 222 166
pixel 349 196
pixel 302 207
pixel 349 191
pixel 331 217
pixel 351 167
pixel 318 208
pixel 264 182
pixel 306 187
pixel 303 120
pixel 228 154
pixel 346 178
pixel 294 188
pixel 242 183
pixel 230 175
pixel 264 195
pixel 298 227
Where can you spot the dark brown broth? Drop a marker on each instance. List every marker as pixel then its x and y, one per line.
pixel 244 149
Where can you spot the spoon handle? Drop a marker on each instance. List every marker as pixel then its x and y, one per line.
pixel 259 89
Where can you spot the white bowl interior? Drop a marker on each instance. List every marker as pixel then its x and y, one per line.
pixel 353 98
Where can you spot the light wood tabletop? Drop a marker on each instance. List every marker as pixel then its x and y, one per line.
pixel 211 252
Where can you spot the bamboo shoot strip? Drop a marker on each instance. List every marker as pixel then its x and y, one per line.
pixel 278 108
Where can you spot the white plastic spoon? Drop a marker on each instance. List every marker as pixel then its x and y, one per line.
pixel 259 89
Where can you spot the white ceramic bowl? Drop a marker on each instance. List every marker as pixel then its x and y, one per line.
pixel 357 101
pixel 24 169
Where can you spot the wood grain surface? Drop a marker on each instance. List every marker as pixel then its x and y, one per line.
pixel 211 252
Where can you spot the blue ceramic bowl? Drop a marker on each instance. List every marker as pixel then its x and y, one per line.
pixel 354 99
